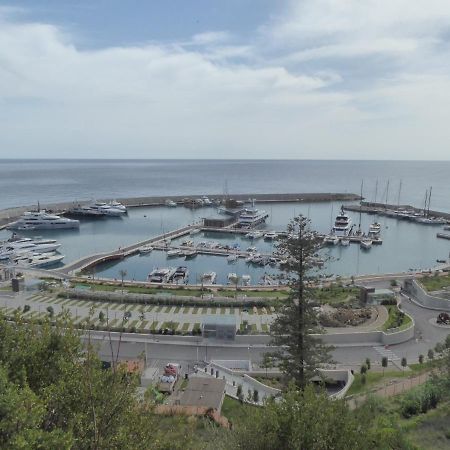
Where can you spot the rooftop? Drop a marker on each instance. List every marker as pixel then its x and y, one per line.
pixel 203 391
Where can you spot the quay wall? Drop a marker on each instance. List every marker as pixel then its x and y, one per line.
pixel 10 214
pixel 411 287
pixel 370 205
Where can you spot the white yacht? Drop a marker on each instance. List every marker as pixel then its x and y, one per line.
pixel 270 236
pixel 117 205
pixel 209 278
pixel 246 280
pixel 331 240
pixel 145 249
pixel 345 242
pixel 374 229
pixel 232 278
pixel 39 260
pixel 342 224
pixel 232 258
pixel 41 220
pixel 366 243
pixel 251 217
pixel 106 210
pixel 161 275
pixel 206 201
pixel 171 204
pixel 174 252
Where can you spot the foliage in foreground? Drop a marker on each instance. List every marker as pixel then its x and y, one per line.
pixel 55 395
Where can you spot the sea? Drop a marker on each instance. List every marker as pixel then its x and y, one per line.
pixel 25 182
pixel 406 246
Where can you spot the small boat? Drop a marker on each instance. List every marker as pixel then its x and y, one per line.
pixel 254 235
pixel 232 278
pixel 189 254
pixel 174 252
pixel 345 242
pixel 374 229
pixel 160 275
pixel 250 257
pixel 441 261
pixel 181 275
pixel 171 204
pixel 232 258
pixel 331 240
pixel 194 231
pixel 366 244
pixel 270 236
pixel 252 249
pixel 145 249
pixel 206 201
pixel 246 280
pixel 187 243
pixel 267 280
pixel 209 278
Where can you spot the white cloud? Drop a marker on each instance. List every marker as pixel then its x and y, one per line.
pixel 318 94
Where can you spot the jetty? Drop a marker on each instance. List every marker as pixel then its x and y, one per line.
pixel 10 214
pixel 400 212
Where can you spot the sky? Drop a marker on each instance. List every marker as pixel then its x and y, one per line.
pixel 305 79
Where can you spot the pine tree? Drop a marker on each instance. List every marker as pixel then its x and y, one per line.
pixel 300 354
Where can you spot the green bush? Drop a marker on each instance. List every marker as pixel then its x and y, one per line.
pixel 421 400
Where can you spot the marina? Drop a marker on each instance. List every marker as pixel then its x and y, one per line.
pixel 138 243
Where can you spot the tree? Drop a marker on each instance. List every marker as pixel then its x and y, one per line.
pixel 300 353
pixel 123 273
pixel 363 369
pixel 368 363
pixel 439 347
pixel 54 394
pixel 239 393
pixel 404 362
pixel 430 354
pixel 384 363
pixel 267 362
pixel 421 357
pixel 305 419
pixel 255 396
pixel 26 308
pixel 447 342
pixel 51 311
pixel 101 317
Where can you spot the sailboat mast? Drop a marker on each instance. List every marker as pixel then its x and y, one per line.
pixel 398 199
pixel 429 201
pixel 387 194
pixel 360 204
pixel 376 191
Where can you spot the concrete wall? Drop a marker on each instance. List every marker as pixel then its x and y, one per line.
pixel 412 288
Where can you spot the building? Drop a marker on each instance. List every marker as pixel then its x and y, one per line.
pixel 372 296
pixel 219 327
pixel 203 392
pixel 218 221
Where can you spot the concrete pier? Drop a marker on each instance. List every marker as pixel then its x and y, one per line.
pixel 10 214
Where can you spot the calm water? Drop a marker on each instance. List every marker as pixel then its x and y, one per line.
pixel 24 182
pixel 406 245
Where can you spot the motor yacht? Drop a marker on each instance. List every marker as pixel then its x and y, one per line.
pixel 189 254
pixel 106 210
pixel 374 229
pixel 331 240
pixel 160 275
pixel 246 280
pixel 181 275
pixel 342 224
pixel 232 258
pixel 117 205
pixel 345 242
pixel 232 278
pixel 209 278
pixel 250 217
pixel 146 249
pixel 270 236
pixel 206 201
pixel 171 204
pixel 39 260
pixel 173 253
pixel 365 244
pixel 41 220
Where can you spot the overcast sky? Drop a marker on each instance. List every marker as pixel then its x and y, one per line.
pixel 320 79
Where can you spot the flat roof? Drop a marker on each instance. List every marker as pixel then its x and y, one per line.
pixel 203 391
pixel 220 319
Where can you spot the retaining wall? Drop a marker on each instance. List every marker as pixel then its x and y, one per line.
pixel 411 287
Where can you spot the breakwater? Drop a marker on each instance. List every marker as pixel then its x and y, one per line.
pixel 10 214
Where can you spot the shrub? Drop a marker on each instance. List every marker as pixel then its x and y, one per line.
pixel 426 397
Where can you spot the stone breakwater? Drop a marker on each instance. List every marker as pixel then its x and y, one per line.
pixel 10 214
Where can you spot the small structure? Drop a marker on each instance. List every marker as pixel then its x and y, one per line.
pixel 219 327
pixel 203 392
pixel 372 296
pixel 218 221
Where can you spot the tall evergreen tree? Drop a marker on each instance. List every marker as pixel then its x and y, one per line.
pixel 300 354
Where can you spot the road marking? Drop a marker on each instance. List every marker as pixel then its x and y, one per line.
pixel 391 356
